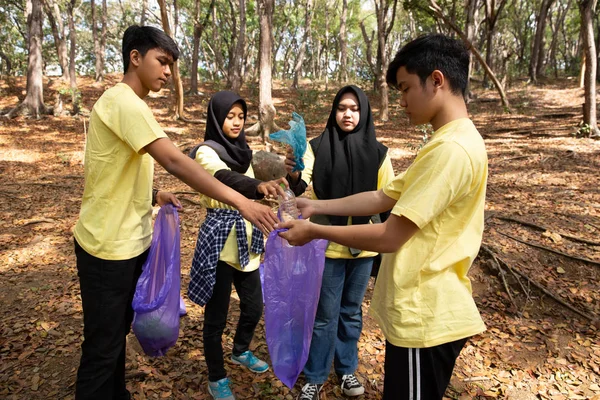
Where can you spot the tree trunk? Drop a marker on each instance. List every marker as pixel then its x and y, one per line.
pixel 102 49
pixel 198 30
pixel 534 68
pixel 178 103
pixel 58 32
pixel 33 103
pixel 234 77
pixel 587 8
pixel 144 12
pixel 437 12
pixel 266 124
pixel 72 53
pixel 307 22
pixel 560 20
pixel 7 62
pixel 96 40
pixel 343 73
pixel 470 29
pixel 491 16
pixel 326 48
pixel 384 27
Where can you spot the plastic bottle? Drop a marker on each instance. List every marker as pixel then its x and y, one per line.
pixel 288 210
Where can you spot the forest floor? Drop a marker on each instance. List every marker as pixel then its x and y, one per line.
pixel 536 280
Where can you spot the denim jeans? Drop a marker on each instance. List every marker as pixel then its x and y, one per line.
pixel 339 318
pixel 107 289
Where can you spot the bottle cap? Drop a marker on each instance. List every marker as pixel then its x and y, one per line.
pixel 282 185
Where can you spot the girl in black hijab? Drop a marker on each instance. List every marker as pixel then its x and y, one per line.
pixel 343 160
pixel 228 248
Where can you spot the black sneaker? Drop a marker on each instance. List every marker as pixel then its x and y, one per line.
pixel 310 391
pixel 351 386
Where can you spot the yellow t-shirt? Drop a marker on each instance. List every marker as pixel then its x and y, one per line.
pixel 211 162
pixel 385 175
pixel 115 221
pixel 423 296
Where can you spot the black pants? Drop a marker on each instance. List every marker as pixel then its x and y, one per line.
pixel 419 374
pixel 107 289
pixel 247 285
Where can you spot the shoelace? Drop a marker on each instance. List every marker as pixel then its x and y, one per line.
pixel 308 391
pixel 223 389
pixel 351 380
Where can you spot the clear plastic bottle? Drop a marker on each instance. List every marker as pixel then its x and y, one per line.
pixel 288 210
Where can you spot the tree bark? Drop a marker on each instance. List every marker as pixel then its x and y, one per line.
pixel 58 32
pixel 198 29
pixel 437 12
pixel 234 77
pixel 538 42
pixel 343 73
pixel 470 29
pixel 33 103
pixel 491 16
pixel 300 59
pixel 143 12
pixel 178 103
pixel 72 53
pixel 6 62
pixel 587 9
pixel 266 123
pixel 384 27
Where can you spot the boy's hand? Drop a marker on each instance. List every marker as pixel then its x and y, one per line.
pixel 163 198
pixel 299 231
pixel 271 189
pixel 306 207
pixel 259 215
pixel 290 164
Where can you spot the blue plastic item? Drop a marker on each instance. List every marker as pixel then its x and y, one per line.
pixel 291 280
pixel 295 137
pixel 157 298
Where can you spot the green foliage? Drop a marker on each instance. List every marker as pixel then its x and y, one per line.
pixel 307 104
pixel 426 133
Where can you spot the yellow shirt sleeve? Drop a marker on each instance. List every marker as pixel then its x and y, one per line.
pixel 440 175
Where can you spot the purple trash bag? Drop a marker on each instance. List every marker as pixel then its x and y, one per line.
pixel 157 299
pixel 291 282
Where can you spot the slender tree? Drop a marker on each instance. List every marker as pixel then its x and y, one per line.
pixel 72 54
pixel 308 9
pixel 178 109
pixel 587 9
pixel 343 72
pixel 198 30
pixel 535 62
pixel 266 122
pixel 234 75
pixel 58 33
pixel 33 104
pixel 385 23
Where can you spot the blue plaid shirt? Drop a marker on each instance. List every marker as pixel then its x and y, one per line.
pixel 211 240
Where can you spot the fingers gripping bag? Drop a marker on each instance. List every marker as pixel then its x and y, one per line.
pixel 157 299
pixel 291 280
pixel 295 137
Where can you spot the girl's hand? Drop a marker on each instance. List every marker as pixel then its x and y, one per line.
pixel 271 189
pixel 290 164
pixel 163 198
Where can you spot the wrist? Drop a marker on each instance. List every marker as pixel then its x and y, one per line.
pixel 154 196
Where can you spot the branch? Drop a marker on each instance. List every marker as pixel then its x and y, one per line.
pixel 550 250
pixel 544 229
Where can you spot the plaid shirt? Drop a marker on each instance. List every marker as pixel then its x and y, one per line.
pixel 211 240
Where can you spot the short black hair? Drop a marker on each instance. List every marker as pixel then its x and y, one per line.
pixel 144 38
pixel 427 53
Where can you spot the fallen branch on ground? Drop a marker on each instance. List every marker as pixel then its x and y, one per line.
pixel 544 229
pixel 564 303
pixel 550 250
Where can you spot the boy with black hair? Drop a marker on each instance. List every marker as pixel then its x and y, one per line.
pixel 422 299
pixel 114 230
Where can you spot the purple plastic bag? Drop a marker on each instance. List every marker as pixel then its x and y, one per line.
pixel 157 299
pixel 291 281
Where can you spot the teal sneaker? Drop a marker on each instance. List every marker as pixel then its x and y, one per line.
pixel 220 389
pixel 249 360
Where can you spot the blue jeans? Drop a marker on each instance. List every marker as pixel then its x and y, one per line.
pixel 339 318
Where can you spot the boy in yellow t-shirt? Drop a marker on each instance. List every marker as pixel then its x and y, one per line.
pixel 422 298
pixel 114 230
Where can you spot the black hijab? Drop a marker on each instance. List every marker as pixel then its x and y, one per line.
pixel 347 163
pixel 234 152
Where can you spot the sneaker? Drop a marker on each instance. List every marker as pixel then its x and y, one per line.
pixel 249 360
pixel 310 391
pixel 351 386
pixel 220 389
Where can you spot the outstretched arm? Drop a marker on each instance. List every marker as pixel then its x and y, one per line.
pixel 191 173
pixel 381 238
pixel 360 204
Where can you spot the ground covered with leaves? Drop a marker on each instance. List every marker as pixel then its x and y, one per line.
pixel 536 280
